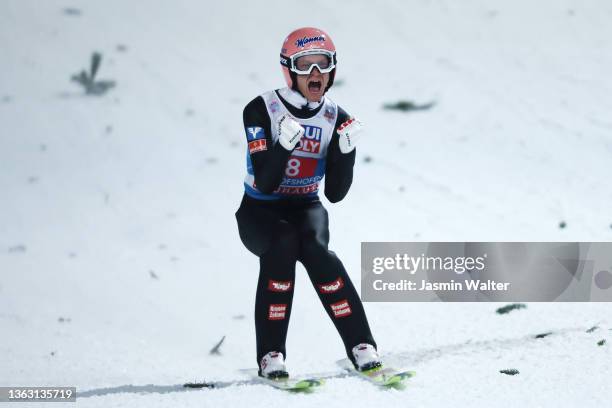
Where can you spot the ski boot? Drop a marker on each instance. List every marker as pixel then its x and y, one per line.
pixel 366 357
pixel 272 366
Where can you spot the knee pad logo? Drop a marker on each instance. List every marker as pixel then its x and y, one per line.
pixel 279 286
pixel 341 309
pixel 331 287
pixel 277 312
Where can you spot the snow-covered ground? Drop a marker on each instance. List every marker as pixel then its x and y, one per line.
pixel 120 262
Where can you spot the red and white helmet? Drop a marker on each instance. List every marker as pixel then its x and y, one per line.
pixel 306 41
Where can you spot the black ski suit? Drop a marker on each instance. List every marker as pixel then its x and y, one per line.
pixel 283 231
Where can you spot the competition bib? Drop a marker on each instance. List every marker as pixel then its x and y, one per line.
pixel 306 166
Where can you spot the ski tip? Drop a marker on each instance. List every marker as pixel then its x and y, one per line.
pixel 399 378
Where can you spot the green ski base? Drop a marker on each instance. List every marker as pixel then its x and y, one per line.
pixel 290 384
pixel 385 376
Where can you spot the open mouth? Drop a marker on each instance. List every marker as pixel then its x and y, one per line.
pixel 314 86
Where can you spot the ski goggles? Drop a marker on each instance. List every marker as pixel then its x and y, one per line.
pixel 302 63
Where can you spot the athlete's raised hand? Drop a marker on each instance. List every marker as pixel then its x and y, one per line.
pixel 289 132
pixel 349 132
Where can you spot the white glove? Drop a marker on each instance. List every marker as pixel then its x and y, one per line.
pixel 290 132
pixel 349 132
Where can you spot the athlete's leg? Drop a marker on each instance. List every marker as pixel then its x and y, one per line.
pixel 266 233
pixel 330 279
pixel 275 291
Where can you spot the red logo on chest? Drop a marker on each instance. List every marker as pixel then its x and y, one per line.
pixel 299 167
pixel 309 146
pixel 311 141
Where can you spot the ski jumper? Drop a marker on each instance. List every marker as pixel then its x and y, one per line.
pixel 282 220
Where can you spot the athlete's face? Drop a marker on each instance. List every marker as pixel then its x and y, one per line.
pixel 313 85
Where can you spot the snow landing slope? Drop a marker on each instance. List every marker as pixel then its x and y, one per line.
pixel 120 263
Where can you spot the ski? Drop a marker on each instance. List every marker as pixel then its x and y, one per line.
pixel 381 376
pixel 288 384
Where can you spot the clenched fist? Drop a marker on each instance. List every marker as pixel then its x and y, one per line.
pixel 289 132
pixel 349 132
